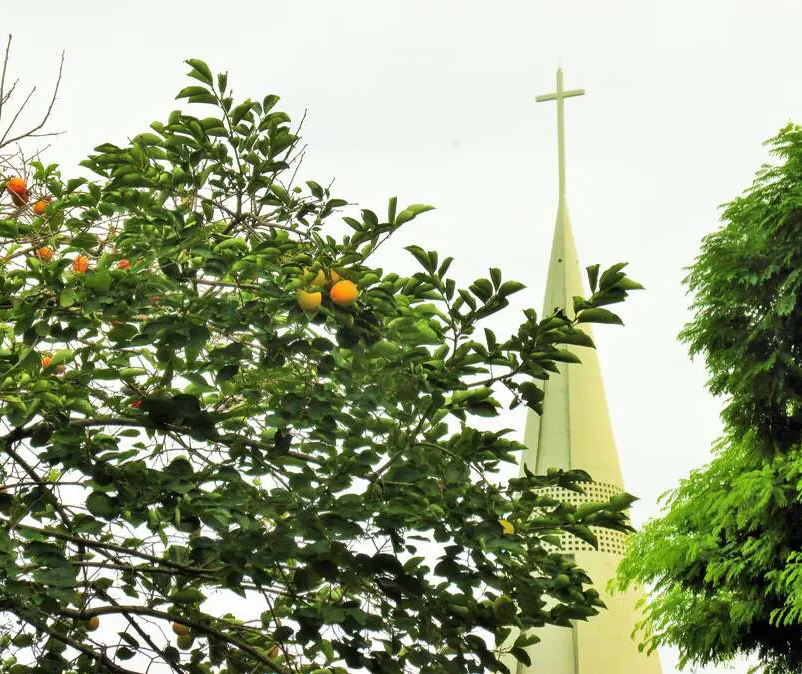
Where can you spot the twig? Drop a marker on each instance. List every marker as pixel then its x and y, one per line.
pixel 7 141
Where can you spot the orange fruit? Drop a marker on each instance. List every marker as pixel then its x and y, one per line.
pixel 80 264
pixel 181 630
pixel 18 190
pixel 45 361
pixel 92 624
pixel 123 264
pixel 344 293
pixel 45 254
pixel 40 206
pixel 309 301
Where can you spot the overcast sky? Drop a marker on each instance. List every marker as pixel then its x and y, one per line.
pixel 434 101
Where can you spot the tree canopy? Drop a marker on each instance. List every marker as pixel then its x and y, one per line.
pixel 726 556
pixel 218 458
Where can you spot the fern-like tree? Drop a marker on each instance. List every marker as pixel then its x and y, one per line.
pixel 726 557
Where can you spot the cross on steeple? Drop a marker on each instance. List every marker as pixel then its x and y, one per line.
pixel 559 96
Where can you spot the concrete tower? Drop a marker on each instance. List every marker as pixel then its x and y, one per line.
pixel 574 431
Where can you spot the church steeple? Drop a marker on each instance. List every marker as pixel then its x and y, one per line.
pixel 574 431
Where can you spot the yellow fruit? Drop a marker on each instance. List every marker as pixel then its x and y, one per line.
pixel 309 301
pixel 507 526
pixel 93 623
pixel 334 276
pixel 184 642
pixel 320 278
pixel 344 293
pixel 181 630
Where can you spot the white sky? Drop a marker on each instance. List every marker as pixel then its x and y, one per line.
pixel 433 100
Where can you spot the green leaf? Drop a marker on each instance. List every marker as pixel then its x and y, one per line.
pixel 84 241
pixel 521 656
pixel 99 280
pixel 510 287
pixel 410 212
pixel 239 113
pixel 101 505
pixel 187 92
pixel 129 372
pixel 187 596
pixel 421 256
pixel 531 392
pixel 598 315
pixel 593 276
pixel 200 71
pixel 61 356
pixel 67 298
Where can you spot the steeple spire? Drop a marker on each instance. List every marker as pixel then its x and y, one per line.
pixel 574 431
pixel 560 95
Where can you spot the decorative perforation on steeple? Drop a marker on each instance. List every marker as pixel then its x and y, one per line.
pixel 610 542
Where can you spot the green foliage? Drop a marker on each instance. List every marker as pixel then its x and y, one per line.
pixel 724 558
pixel 208 440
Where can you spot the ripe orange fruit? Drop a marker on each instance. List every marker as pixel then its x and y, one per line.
pixel 45 254
pixel 45 361
pixel 40 206
pixel 344 293
pixel 18 190
pixel 309 301
pixel 123 264
pixel 93 623
pixel 181 630
pixel 80 264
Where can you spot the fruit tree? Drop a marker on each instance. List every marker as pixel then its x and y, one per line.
pixel 251 450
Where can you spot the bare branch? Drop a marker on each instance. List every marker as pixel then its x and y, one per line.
pixel 3 98
pixel 7 141
pixel 8 93
pixel 16 116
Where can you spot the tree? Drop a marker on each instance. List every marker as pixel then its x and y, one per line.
pixel 725 556
pixel 208 439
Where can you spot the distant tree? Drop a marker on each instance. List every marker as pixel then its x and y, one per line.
pixel 726 557
pixel 207 397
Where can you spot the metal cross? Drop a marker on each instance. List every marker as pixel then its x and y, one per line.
pixel 559 95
